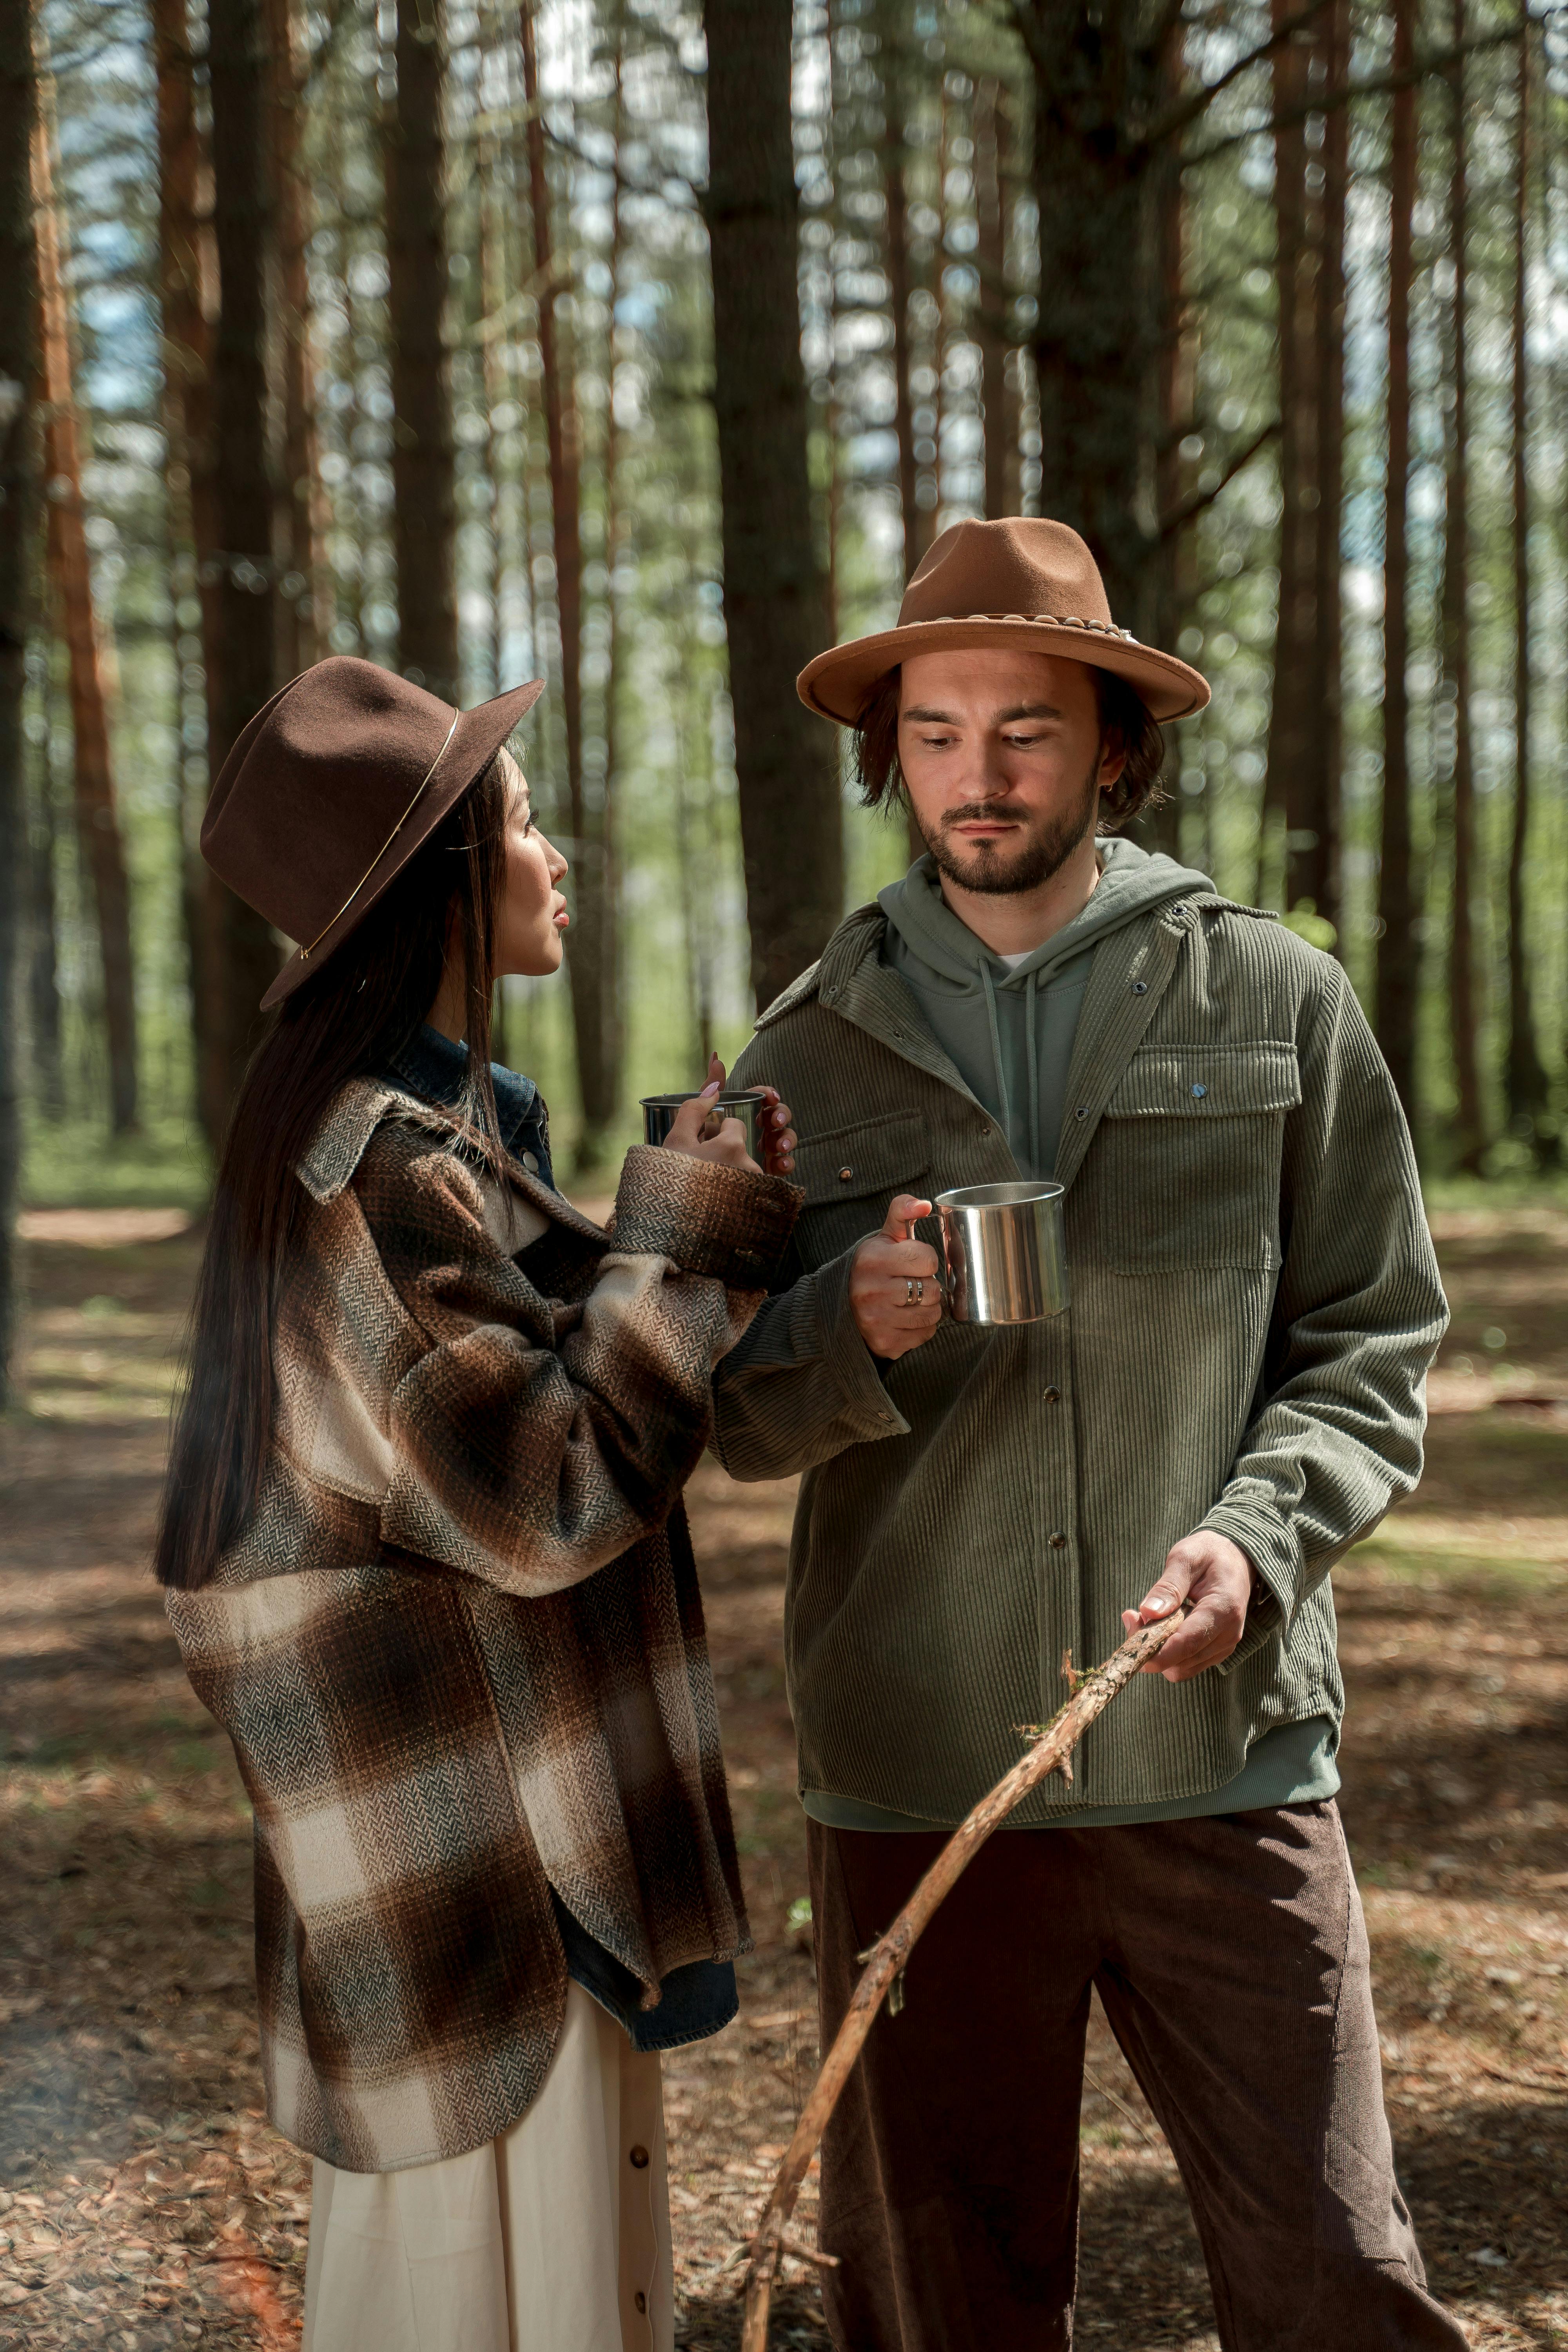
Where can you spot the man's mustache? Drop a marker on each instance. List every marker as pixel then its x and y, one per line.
pixel 982 812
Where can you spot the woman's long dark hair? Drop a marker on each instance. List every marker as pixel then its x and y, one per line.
pixel 368 1001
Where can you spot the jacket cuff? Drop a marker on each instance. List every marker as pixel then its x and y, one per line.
pixel 704 1217
pixel 855 1370
pixel 1257 1531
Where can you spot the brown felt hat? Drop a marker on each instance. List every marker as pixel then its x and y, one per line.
pixel 332 787
pixel 1022 582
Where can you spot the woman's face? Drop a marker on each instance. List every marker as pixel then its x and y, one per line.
pixel 532 916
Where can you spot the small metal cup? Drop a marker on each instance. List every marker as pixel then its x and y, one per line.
pixel 658 1113
pixel 1006 1255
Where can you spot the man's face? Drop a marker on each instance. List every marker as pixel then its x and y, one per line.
pixel 1003 759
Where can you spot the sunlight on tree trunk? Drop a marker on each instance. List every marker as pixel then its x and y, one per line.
pixel 70 575
pixel 992 320
pixel 424 468
pixel 19 391
pixel 1313 872
pixel 563 425
pixel 1526 1079
pixel 43 926
pixel 1470 1130
pixel 297 625
pixel 1171 585
pixel 187 294
pixel 245 954
pixel 896 216
pixel 594 947
pixel 1398 950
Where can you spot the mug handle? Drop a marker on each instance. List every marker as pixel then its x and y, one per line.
pixel 942 1279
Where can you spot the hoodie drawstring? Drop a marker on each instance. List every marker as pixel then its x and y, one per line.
pixel 1031 1001
pixel 1031 1054
pixel 989 985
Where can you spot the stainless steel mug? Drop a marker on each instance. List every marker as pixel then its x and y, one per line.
pixel 1004 1253
pixel 658 1117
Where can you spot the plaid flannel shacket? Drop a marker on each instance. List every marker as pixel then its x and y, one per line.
pixel 458 1647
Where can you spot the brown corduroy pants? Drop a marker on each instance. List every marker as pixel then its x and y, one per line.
pixel 1231 1958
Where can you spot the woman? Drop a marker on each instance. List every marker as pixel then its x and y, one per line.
pixel 425 1558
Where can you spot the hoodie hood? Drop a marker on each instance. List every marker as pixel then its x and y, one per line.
pixel 1132 880
pixel 1010 1029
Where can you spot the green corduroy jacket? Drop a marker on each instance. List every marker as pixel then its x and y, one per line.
pixel 1255 1304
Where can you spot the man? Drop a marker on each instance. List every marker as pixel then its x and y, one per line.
pixel 1233 1398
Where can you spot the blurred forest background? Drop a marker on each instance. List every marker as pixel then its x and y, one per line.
pixel 647 346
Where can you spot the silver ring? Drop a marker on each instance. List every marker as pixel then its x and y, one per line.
pixel 914 1290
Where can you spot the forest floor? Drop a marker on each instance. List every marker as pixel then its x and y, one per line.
pixel 143 2201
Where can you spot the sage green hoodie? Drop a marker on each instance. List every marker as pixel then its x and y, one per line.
pixel 1008 1025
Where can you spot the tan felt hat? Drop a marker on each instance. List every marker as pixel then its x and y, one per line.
pixel 332 787
pixel 1021 582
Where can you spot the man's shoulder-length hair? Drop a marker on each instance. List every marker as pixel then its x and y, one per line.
pixel 1123 715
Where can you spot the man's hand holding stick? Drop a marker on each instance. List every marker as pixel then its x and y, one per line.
pixel 1050 1753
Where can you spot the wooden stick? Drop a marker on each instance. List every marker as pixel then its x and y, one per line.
pixel 888 1959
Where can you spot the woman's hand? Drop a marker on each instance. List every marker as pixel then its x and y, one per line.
pixel 779 1138
pixel 728 1146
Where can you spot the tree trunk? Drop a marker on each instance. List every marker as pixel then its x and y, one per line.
pixel 187 294
pixel 899 304
pixel 562 433
pixel 930 509
pixel 1469 1129
pixel 1525 1079
pixel 245 951
pixel 298 626
pixel 1096 84
pixel 1170 583
pixel 1398 953
pixel 593 945
pixel 43 958
pixel 1286 791
pixel 791 823
pixel 1313 871
pixel 19 391
pixel 424 459
pixel 98 822
pixel 992 324
pixel 894 101
pixel 693 856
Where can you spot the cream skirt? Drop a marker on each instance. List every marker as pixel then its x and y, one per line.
pixel 553 2238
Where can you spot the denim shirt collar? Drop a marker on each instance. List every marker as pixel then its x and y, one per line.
pixel 436 1067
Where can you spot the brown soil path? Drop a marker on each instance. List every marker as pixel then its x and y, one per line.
pixel 143 2201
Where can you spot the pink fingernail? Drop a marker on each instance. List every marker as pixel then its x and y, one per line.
pixel 713 1087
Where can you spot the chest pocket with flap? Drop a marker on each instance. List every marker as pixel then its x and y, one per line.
pixel 850 1175
pixel 1185 1170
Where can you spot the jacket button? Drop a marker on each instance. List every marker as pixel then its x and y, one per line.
pixel 639 2158
pixel 640 2299
pixel 1139 988
pixel 844 1174
pixel 1082 1111
pixel 530 1163
pixel 1200 1091
pixel 1058 1542
pixel 1053 1396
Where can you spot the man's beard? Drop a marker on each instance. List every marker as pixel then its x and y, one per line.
pixel 993 871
